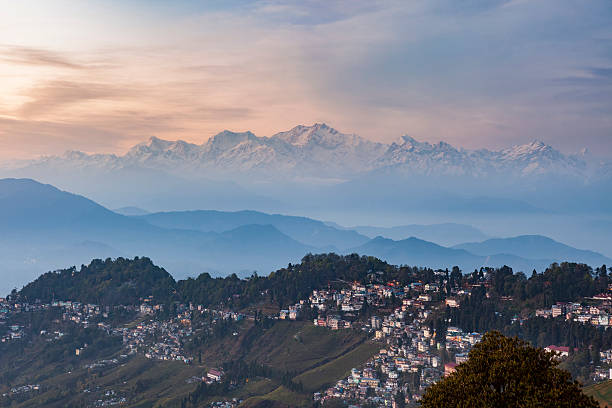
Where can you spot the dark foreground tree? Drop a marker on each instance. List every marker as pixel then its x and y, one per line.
pixel 507 372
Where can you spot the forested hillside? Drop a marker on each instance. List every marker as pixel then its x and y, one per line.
pixel 234 324
pixel 128 281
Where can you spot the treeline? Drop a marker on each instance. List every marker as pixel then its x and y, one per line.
pixel 499 295
pixel 563 282
pixel 297 281
pixel 108 282
pixel 284 286
pixel 128 281
pixel 505 301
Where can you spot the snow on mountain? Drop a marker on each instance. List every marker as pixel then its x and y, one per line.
pixel 321 151
pixel 161 153
pixel 539 158
pixel 230 151
pixel 409 155
pixel 535 158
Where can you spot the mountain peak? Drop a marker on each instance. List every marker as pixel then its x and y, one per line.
pixel 324 127
pixel 322 151
pixel 152 145
pixel 537 155
pixel 534 146
pixel 409 141
pixel 538 145
pixel 156 142
pixel 74 155
pixel 228 139
pixel 319 134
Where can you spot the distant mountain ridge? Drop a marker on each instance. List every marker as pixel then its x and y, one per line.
pixel 131 211
pixel 322 151
pixel 311 232
pixel 542 252
pixel 443 234
pixel 44 228
pixel 534 247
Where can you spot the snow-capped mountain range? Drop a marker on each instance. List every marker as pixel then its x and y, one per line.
pixel 323 152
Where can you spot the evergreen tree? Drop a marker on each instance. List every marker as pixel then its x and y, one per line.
pixel 507 372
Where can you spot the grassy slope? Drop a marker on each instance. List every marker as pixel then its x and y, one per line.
pixel 318 356
pixel 280 397
pixel 601 392
pixel 156 383
pixel 298 346
pixel 330 372
pixel 321 356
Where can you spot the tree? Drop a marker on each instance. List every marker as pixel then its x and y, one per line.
pixel 507 372
pixel 400 400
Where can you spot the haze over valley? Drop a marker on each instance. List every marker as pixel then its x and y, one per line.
pixel 45 228
pixel 319 172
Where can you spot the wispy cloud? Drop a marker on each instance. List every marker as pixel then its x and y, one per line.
pixel 55 95
pixel 477 73
pixel 37 57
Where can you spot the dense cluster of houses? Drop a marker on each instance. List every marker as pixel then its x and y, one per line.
pixel 159 340
pixel 11 331
pixel 82 314
pixel 410 358
pixel 155 339
pixel 412 355
pixel 598 314
pixel 409 362
pixel 385 376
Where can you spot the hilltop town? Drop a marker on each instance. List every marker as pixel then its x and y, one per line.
pixel 417 325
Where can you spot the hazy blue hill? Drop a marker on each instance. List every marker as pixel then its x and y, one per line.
pixel 443 234
pixel 517 263
pixel 253 247
pixel 535 247
pixel 34 211
pixel 26 204
pixel 44 228
pixel 131 211
pixel 414 251
pixel 306 230
pixel 260 234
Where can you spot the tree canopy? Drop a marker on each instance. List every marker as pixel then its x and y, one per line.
pixel 507 372
pixel 108 282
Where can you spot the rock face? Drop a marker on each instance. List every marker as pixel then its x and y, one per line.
pixel 323 152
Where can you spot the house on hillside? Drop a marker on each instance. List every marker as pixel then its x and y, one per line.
pixel 560 351
pixel 214 374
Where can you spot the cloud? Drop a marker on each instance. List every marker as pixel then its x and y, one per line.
pixel 37 57
pixel 479 73
pixel 54 95
pixel 30 138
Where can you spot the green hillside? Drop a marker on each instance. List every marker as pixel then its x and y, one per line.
pixel 308 354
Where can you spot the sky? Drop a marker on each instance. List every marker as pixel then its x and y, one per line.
pixel 101 76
